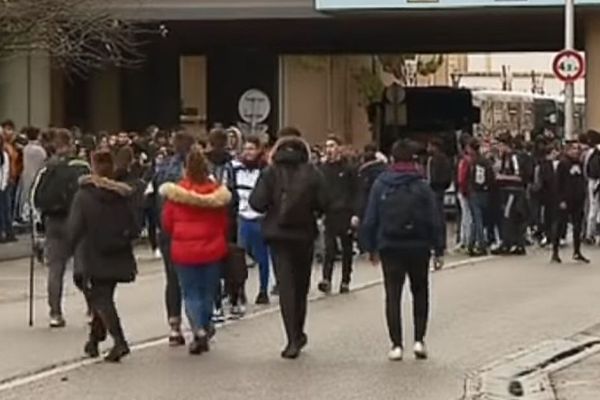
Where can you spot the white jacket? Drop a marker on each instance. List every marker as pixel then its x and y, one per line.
pixel 5 171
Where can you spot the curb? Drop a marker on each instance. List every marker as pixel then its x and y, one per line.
pixel 66 366
pixel 526 374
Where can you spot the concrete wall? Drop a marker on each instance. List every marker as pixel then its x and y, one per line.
pixel 15 101
pixel 104 101
pixel 592 88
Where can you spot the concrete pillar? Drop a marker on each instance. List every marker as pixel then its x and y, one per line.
pixel 592 84
pixel 18 103
pixel 104 101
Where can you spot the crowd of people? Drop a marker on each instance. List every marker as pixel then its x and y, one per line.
pixel 209 209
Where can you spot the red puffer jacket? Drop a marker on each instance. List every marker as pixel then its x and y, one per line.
pixel 195 217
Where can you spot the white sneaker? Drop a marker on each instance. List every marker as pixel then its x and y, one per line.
pixel 421 351
pixel 395 354
pixel 157 254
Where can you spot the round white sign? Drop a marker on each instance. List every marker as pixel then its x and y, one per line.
pixel 254 106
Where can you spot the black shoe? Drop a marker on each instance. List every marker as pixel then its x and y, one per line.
pixel 344 288
pixel 211 331
pixel 199 345
pixel 580 258
pixel 556 259
pixel 91 349
pixel 324 287
pixel 303 341
pixel 275 290
pixel 262 298
pixel 291 352
pixel 176 340
pixel 518 251
pixel 117 353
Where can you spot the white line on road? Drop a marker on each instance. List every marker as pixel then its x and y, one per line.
pixel 71 365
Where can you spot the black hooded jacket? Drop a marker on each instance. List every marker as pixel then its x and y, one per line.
pixel 102 208
pixel 291 170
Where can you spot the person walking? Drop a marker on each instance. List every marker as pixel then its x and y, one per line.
pixel 572 194
pixel 246 172
pixel 103 222
pixel 340 221
pixel 291 192
pixel 53 193
pixel 592 172
pixel 401 228
pixel 368 172
pixel 6 228
pixel 195 217
pixel 34 157
pixel 171 170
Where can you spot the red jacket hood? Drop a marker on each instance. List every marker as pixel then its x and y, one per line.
pixel 208 195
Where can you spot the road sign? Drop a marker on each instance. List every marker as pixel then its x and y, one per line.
pixel 254 106
pixel 568 66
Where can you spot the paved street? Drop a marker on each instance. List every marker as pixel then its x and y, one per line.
pixel 480 313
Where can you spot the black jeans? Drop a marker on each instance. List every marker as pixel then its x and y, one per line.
pixel 346 241
pixel 514 218
pixel 150 219
pixel 172 291
pixel 105 318
pixel 396 265
pixel 559 226
pixel 292 262
pixel 439 202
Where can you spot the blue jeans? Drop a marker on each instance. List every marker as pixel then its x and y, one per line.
pixel 478 203
pixel 6 220
pixel 254 243
pixel 198 286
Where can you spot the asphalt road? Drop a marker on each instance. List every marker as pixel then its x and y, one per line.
pixel 479 314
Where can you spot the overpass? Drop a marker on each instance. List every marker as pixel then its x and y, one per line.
pixel 243 40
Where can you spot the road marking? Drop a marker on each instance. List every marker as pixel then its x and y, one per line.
pixel 71 365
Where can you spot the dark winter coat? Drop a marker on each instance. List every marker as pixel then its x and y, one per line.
pixel 548 184
pixel 372 236
pixel 290 159
pixel 97 195
pixel 572 187
pixel 367 175
pixel 439 172
pixel 342 183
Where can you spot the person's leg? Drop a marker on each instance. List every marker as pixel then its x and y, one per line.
pixel 58 256
pixel 418 272
pixel 330 253
pixel 558 221
pixel 191 283
pixel 477 238
pixel 11 206
pixel 302 271
pixel 260 253
pixel 577 217
pixel 439 200
pixel 394 274
pixel 284 270
pixel 347 257
pixel 593 210
pixel 172 289
pixel 152 228
pixel 466 221
pixel 3 212
pixel 211 275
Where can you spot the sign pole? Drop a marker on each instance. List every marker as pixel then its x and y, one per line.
pixel 570 85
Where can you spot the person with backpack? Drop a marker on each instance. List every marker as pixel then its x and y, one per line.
pixel 340 221
pixel 368 172
pixel 481 181
pixel 172 170
pixel 245 175
pixel 104 224
pixel 196 218
pixel 572 194
pixel 439 172
pixel 401 228
pixel 292 193
pixel 53 193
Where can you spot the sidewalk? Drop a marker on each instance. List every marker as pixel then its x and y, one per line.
pixel 17 250
pixel 580 381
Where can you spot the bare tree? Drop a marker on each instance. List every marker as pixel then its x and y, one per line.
pixel 79 36
pixel 406 67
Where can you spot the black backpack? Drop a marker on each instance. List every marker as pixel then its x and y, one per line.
pixel 294 189
pixel 405 213
pixel 482 175
pixel 57 186
pixel 115 227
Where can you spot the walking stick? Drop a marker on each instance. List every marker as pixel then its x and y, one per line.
pixel 31 267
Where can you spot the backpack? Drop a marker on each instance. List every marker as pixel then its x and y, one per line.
pixel 57 186
pixel 405 213
pixel 295 195
pixel 482 175
pixel 116 234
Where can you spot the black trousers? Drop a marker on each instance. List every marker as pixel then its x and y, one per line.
pixel 292 262
pixel 105 318
pixel 562 217
pixel 514 217
pixel 172 290
pixel 396 266
pixel 331 248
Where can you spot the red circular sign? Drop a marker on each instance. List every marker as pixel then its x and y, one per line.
pixel 569 66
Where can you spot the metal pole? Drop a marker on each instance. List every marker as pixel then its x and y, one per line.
pixel 29 88
pixel 569 87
